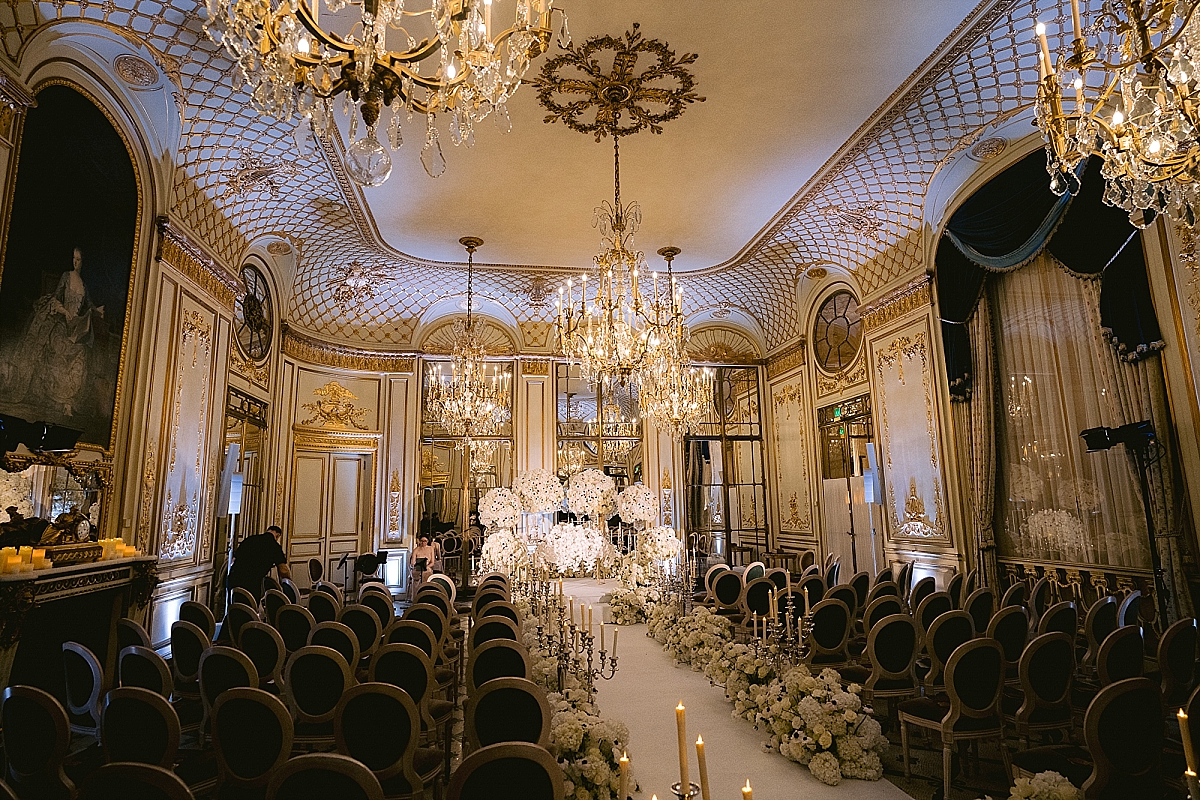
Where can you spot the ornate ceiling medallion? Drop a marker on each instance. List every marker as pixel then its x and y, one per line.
pixel 135 70
pixel 279 248
pixel 857 218
pixel 355 283
pixel 254 173
pixel 989 148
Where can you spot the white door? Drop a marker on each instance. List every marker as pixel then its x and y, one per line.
pixel 331 507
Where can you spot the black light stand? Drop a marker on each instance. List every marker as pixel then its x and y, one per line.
pixel 1138 438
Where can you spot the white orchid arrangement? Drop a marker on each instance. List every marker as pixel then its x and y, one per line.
pixel 1047 785
pixel 591 494
pixel 500 508
pixel 539 490
pixel 637 503
pixel 502 550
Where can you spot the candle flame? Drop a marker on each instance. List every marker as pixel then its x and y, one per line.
pixel 699 740
pixel 680 706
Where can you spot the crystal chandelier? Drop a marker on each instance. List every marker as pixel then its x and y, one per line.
pixel 1135 100
pixel 613 322
pixel 468 402
pixel 674 393
pixel 297 58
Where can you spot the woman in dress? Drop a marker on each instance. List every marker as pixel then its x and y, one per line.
pixel 424 560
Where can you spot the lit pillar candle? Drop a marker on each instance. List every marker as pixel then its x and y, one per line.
pixel 681 727
pixel 623 793
pixel 1185 733
pixel 704 794
pixel 1041 32
pixel 747 792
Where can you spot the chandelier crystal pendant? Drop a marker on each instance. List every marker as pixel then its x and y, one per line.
pixel 674 393
pixel 296 58
pixel 468 402
pixel 1134 99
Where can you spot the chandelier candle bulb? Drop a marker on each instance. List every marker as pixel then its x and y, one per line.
pixel 1078 23
pixel 1185 734
pixel 1041 33
pixel 681 727
pixel 704 793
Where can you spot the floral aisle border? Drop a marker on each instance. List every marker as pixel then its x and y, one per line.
pixel 587 745
pixel 811 719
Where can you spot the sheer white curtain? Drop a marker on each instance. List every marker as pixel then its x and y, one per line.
pixel 1055 501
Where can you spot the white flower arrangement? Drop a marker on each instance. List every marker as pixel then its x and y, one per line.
pixel 1056 529
pixel 629 605
pixel 571 548
pixel 1045 786
pixel 15 490
pixel 637 504
pixel 591 494
pixel 539 490
pixel 502 550
pixel 658 544
pixel 500 508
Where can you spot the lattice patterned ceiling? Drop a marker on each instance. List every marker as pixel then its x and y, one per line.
pixel 863 211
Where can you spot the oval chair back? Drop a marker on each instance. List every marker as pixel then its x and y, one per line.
pixel 491 628
pixel 331 589
pixel 339 637
pixel 379 725
pixel 930 608
pixel 381 604
pixel 1045 670
pixel 830 633
pixel 1010 627
pixel 434 596
pixel 1123 729
pixel 447 584
pixel 1130 611
pixel 756 599
pixel 946 634
pixel 1101 620
pixel 845 592
pixel 486 596
pixel 833 572
pixel 975 683
pixel 431 616
pixel 1121 655
pixel 408 668
pixel 904 578
pixel 263 645
pixel 221 669
pixel 243 596
pixel 139 725
pixel 416 633
pixel 727 589
pixel 1014 595
pixel 366 626
pixel 507 710
pixel 323 606
pixel 883 589
pixel 921 589
pixel 710 577
pixel 777 576
pixel 525 771
pixel 294 623
pixel 252 734
pixel 1060 618
pixel 954 588
pixel 892 646
pixel 1039 599
pixel 885 574
pixel 130 779
pixel 496 659
pixel 324 775
pixel 813 588
pixel 129 634
pixel 142 668
pixel 496 577
pixel 84 679
pixel 981 605
pixel 188 643
pixel 500 608
pixel 270 583
pixel 970 584
pixel 754 571
pixel 313 681
pixel 199 615
pixel 289 588
pixel 316 571
pixel 36 736
pixel 272 601
pixel 811 569
pixel 1177 661
pixel 884 606
pixel 861 583
pixel 237 616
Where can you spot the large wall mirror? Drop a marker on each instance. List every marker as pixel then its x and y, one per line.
pixel 597 427
pixel 50 505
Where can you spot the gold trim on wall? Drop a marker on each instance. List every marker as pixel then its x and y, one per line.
pixel 258 374
pixel 894 305
pixel 849 378
pixel 176 249
pixel 536 367
pixel 335 441
pixel 326 354
pixel 787 359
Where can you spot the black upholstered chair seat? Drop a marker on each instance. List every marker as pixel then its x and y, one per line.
pixel 935 708
pixel 314 730
pixel 440 709
pixel 855 673
pixel 1073 763
pixel 427 760
pixel 197 767
pixel 1009 703
pixel 443 675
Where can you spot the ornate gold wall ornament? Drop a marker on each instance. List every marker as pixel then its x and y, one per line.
pixel 257 173
pixel 143 579
pixel 718 344
pixel 794 522
pixel 179 525
pixel 846 379
pixel 314 351
pixel 329 441
pixel 176 249
pixel 916 524
pixel 856 218
pixel 16 600
pixel 894 305
pixel 258 374
pixel 539 291
pixel 149 479
pixel 135 70
pixel 535 366
pixel 901 348
pixel 816 273
pixel 989 148
pixel 666 479
pixel 13 93
pixel 722 312
pixel 279 248
pixel 787 398
pixel 196 329
pixel 394 494
pixel 334 408
pixel 787 359
pixel 1189 259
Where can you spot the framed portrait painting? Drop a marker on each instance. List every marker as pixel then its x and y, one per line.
pixel 68 258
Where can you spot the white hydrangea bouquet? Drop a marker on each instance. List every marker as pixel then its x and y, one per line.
pixel 502 550
pixel 737 667
pixel 698 638
pixel 1047 785
pixel 571 548
pixel 659 543
pixel 591 494
pixel 629 605
pixel 637 504
pixel 660 618
pixel 539 490
pixel 500 508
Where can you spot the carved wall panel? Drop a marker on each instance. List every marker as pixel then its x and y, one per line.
pixel 792 441
pixel 336 402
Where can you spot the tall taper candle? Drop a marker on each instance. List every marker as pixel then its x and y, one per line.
pixel 1185 733
pixel 623 794
pixel 747 792
pixel 704 795
pixel 681 726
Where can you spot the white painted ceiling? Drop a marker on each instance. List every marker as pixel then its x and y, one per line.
pixel 787 82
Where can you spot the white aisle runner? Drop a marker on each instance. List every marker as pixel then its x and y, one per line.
pixel 643 696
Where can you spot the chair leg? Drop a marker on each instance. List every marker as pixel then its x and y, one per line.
pixel 904 749
pixel 947 760
pixel 1008 771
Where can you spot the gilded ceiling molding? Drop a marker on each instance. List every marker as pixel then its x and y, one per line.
pixel 176 249
pixel 787 359
pixel 325 354
pixel 916 294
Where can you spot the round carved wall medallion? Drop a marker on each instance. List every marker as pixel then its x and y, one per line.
pixel 279 248
pixel 135 70
pixel 989 148
pixel 817 273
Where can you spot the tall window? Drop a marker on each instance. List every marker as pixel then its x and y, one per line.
pixel 597 428
pixel 724 468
